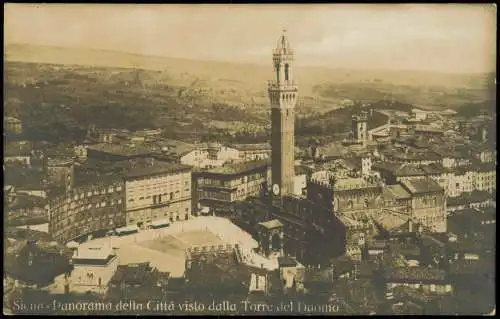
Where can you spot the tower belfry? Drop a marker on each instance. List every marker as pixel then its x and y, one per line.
pixel 282 92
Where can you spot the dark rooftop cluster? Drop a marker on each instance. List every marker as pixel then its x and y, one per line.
pixel 135 274
pixel 25 201
pixel 25 178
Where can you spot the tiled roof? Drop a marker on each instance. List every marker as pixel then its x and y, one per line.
pixel 395 192
pixel 252 147
pixel 333 150
pixel 139 169
pixel 27 201
pixel 219 271
pixel 433 168
pixel 132 168
pixel 323 275
pixel 176 148
pixel 271 224
pixel 405 250
pixel 286 262
pixel 239 168
pixel 409 170
pixel 422 185
pixel 25 178
pixel 342 184
pixel 132 273
pixel 302 170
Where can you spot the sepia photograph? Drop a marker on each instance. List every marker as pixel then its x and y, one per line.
pixel 249 159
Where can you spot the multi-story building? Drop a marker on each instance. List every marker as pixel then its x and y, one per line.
pixel 93 268
pixel 356 197
pixel 252 152
pixel 81 152
pixel 359 127
pixel 213 155
pixel 428 280
pixel 24 207
pixel 13 125
pixel 60 172
pixel 88 209
pixel 418 114
pixel 220 187
pixel 428 203
pixel 455 181
pixel 138 281
pixel 157 190
pixel 486 154
pixel 484 178
pixel 122 151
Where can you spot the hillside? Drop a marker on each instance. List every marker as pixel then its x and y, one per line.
pixel 475 109
pixel 246 84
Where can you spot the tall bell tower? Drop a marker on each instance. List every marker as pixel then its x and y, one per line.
pixel 283 97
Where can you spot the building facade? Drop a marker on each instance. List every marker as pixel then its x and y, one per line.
pixel 359 127
pixel 283 97
pixel 93 268
pixel 61 172
pixel 253 152
pixel 428 204
pixel 13 125
pixel 221 187
pixel 213 155
pixel 157 190
pixel 87 209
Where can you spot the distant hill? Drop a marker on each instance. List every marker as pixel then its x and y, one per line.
pixel 250 78
pixel 475 109
pixel 392 105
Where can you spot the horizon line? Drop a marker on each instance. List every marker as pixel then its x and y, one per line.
pixel 246 62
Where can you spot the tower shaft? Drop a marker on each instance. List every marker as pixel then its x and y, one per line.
pixel 283 98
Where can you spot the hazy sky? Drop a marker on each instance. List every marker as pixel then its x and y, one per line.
pixel 449 38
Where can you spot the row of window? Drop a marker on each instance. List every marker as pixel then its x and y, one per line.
pixel 204 194
pixel 77 207
pixel 80 227
pixel 488 222
pixel 172 216
pixel 159 198
pixel 82 215
pixel 163 179
pixel 242 180
pixel 102 219
pixel 432 287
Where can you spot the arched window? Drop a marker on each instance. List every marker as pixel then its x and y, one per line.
pixel 278 73
pixel 286 72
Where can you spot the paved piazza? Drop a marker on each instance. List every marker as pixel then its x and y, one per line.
pixel 165 248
